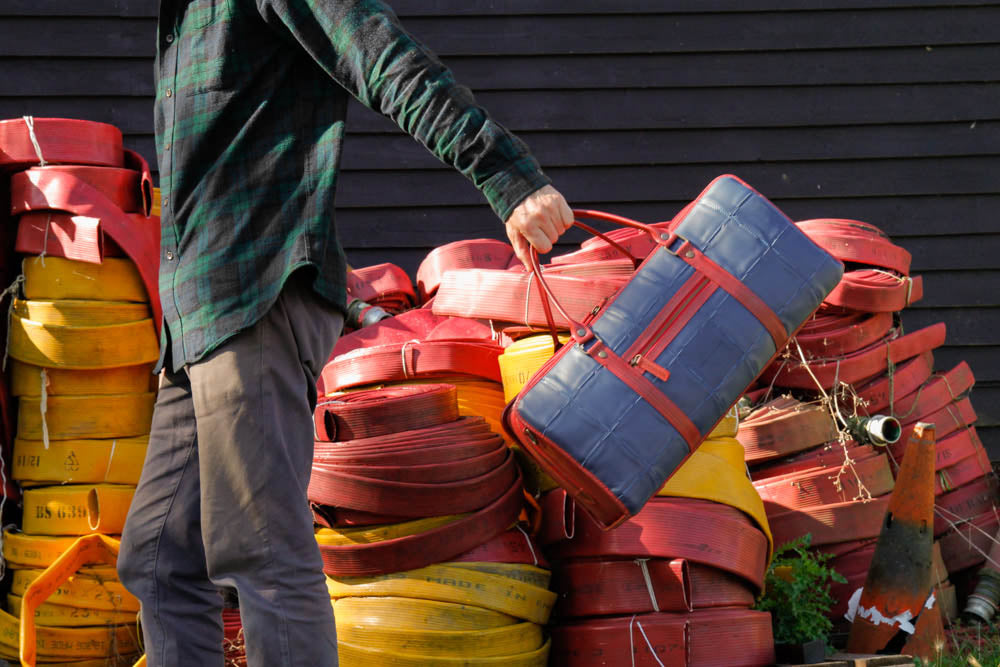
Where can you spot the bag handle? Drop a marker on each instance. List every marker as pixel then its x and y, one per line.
pixel 579 331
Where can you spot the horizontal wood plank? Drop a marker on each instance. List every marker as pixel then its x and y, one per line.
pixel 959 288
pixel 632 109
pixel 578 33
pixel 507 7
pixel 40 76
pixel 966 326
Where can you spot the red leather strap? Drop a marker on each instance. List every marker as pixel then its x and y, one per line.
pixel 404 361
pixel 857 242
pixel 784 426
pixel 856 366
pixel 735 288
pixel 434 546
pixel 659 401
pixel 508 296
pixel 826 486
pixel 699 531
pixel 829 524
pixel 366 414
pixel 876 291
pixel 833 334
pixel 384 285
pixel 614 587
pixel 704 638
pixel 963 503
pixel 63 190
pixel 467 254
pixel 61 141
pixel 905 379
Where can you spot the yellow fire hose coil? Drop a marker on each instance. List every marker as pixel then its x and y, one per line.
pixel 80 313
pixel 70 643
pixel 114 279
pixel 81 591
pixel 115 461
pixel 453 584
pixel 390 613
pixel 331 537
pixel 527 574
pixel 353 655
pixel 26 380
pixel 33 551
pixel 507 640
pixel 83 347
pixel 716 471
pixel 522 359
pixel 86 417
pixel 63 616
pixel 76 509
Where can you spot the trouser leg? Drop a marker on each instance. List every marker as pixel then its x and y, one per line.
pixel 253 402
pixel 162 557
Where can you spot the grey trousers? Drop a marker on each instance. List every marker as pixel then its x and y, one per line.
pixel 222 498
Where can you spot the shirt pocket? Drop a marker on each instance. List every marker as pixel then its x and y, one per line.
pixel 207 47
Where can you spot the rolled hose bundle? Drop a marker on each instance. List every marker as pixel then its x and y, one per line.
pixel 825 486
pixel 699 531
pixel 857 242
pixel 704 638
pixel 466 254
pixel 784 426
pixel 384 285
pixel 469 613
pixel 833 332
pixel 399 362
pixel 507 296
pixel 367 414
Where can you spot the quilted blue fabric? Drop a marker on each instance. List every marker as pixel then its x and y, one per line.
pixel 608 428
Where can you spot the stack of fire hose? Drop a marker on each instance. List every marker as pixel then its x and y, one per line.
pixel 80 347
pixel 620 599
pixel 419 509
pixel 853 361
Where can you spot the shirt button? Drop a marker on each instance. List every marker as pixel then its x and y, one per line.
pixel 168 92
pixel 166 200
pixel 166 146
pixel 170 37
pixel 170 256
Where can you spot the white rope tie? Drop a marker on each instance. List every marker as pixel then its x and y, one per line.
pixel 631 644
pixel 531 548
pixel 45 240
pixel 527 298
pixel 12 290
pixel 641 562
pixel 30 122
pixel 402 352
pixel 569 535
pixel 43 407
pixel 111 457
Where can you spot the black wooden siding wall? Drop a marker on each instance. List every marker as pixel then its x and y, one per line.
pixel 881 110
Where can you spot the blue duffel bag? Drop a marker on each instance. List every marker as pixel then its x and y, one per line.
pixel 645 378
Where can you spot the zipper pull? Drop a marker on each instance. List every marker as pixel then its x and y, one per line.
pixel 650 367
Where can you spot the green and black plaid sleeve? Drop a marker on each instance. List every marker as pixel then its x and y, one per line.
pixel 249 115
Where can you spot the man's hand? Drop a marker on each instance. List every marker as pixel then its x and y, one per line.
pixel 538 221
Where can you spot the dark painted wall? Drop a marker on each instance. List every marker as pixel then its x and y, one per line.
pixel 882 110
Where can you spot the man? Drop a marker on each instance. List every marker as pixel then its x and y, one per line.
pixel 249 114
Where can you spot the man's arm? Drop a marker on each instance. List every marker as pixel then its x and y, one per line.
pixel 362 46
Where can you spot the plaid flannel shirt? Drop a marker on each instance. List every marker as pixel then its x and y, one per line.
pixel 249 114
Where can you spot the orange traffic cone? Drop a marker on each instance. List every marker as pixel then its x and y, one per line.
pixel 927 641
pixel 900 577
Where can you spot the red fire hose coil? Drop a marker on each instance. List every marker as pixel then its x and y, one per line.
pixel 60 141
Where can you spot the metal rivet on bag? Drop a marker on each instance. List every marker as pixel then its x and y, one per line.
pixel 602 354
pixel 689 254
pixel 664 237
pixel 530 436
pixel 581 332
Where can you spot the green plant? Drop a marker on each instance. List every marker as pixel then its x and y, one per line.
pixel 797 593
